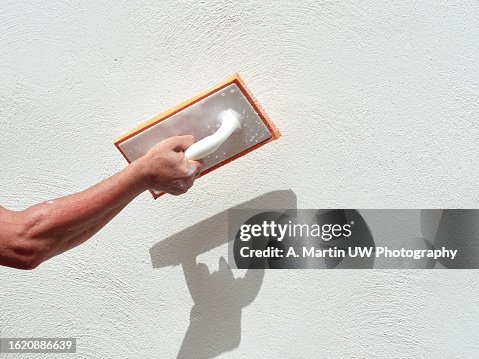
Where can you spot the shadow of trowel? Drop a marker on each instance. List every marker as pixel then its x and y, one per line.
pixel 453 229
pixel 215 319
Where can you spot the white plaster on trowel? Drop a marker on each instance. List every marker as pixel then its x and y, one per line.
pixel 202 119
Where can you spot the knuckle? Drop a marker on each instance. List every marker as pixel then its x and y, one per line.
pixel 185 173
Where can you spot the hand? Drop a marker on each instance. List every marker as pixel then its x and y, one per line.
pixel 164 168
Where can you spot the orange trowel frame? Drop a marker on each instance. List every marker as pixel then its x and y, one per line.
pixel 232 79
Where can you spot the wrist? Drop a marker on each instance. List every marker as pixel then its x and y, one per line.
pixel 138 175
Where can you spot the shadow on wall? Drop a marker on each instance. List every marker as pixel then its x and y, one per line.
pixel 215 319
pixel 453 229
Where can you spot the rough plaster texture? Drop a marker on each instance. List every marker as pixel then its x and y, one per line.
pixel 378 104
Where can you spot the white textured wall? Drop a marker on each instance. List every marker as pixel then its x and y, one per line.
pixel 378 105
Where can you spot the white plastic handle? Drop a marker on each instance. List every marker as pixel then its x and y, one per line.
pixel 229 124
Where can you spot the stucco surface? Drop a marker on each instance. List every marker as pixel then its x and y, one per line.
pixel 378 105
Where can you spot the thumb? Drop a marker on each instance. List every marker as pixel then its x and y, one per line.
pixel 195 166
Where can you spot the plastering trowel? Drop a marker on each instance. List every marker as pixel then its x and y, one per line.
pixel 226 121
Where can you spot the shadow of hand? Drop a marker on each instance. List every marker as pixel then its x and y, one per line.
pixel 215 319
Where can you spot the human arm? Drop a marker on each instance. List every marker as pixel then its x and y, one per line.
pixel 34 235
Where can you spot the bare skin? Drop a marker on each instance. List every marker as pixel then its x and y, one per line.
pixel 38 233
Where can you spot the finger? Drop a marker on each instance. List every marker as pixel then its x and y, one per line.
pixel 222 264
pixel 203 269
pixel 189 182
pixel 196 166
pixel 177 191
pixel 180 185
pixel 181 143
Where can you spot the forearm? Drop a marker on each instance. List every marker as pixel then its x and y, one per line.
pixel 53 227
pixel 84 208
pixel 40 232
